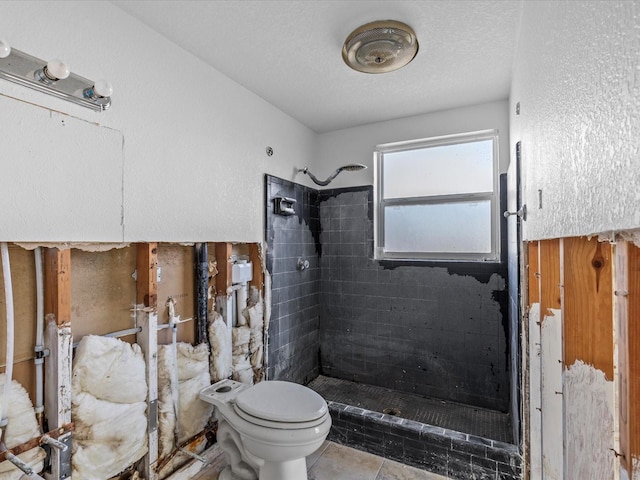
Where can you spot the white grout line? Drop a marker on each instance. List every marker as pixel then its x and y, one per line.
pixel 379 469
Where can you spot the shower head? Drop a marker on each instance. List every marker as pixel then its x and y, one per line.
pixel 352 167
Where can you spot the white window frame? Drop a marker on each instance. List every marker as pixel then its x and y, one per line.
pixel 379 250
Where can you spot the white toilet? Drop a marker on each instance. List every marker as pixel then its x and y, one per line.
pixel 267 429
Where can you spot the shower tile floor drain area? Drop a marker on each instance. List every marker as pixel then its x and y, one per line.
pixel 450 415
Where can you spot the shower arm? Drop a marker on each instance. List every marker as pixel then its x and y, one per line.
pixel 322 183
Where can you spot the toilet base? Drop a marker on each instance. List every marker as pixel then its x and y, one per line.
pixel 291 470
pixel 227 474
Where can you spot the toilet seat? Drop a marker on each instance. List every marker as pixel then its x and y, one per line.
pixel 281 405
pixel 261 422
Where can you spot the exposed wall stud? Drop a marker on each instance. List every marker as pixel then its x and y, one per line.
pixel 147 338
pixel 588 308
pixel 621 309
pixel 550 354
pixel 147 277
pixel 58 340
pixel 223 279
pixel 634 355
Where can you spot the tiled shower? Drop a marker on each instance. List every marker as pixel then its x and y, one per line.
pixel 421 328
pixel 433 329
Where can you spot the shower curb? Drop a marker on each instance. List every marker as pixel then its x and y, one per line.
pixel 435 449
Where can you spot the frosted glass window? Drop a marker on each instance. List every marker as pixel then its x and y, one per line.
pixel 460 227
pixel 439 170
pixel 437 199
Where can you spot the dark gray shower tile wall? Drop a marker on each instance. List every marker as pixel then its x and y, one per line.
pixel 432 330
pixel 293 340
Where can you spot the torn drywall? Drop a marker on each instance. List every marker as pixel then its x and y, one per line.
pixel 589 423
pixel 192 374
pixel 632 236
pixel 551 385
pixel 535 409
pixel 87 247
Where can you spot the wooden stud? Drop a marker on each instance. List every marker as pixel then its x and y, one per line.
pixel 223 279
pixel 634 351
pixel 552 454
pixel 621 309
pixel 588 305
pixel 532 420
pixel 57 287
pixel 256 260
pixel 147 338
pixel 147 268
pixel 533 272
pixel 549 281
pixel 58 340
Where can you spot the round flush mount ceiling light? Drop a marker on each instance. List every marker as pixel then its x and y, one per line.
pixel 380 47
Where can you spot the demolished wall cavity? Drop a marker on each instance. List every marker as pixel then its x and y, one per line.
pixel 108 407
pixel 21 427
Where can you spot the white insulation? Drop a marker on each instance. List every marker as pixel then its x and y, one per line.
pixel 108 405
pixel 21 427
pixel 248 348
pixel 193 375
pixel 220 338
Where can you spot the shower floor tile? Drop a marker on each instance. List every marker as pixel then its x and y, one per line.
pixel 476 421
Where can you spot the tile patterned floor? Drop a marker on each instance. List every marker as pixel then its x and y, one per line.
pixel 337 462
pixel 450 415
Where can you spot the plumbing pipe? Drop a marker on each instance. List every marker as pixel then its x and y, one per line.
pixel 233 288
pixel 123 333
pixel 242 296
pixel 8 293
pixel 119 333
pixel 26 469
pixel 39 347
pixel 195 456
pixel 202 285
pixel 239 295
pixel 33 476
pixel 175 392
pixel 55 443
pixel 233 314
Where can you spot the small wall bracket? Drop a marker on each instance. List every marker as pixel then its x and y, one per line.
pixel 522 213
pixel 283 206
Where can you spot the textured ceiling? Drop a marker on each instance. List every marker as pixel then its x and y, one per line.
pixel 289 53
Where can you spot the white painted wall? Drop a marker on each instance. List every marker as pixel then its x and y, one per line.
pixel 356 145
pixel 193 160
pixel 576 79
